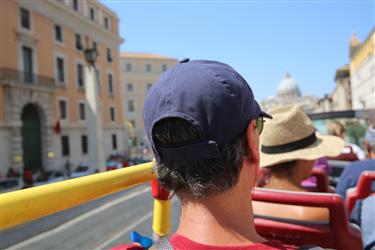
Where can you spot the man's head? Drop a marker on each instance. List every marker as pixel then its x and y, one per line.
pixel 198 119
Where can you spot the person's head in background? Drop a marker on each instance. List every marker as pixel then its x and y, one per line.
pixel 350 151
pixel 290 146
pixel 336 128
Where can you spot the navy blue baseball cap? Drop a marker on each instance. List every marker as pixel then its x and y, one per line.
pixel 210 95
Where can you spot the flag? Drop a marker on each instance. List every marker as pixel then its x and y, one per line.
pixel 57 127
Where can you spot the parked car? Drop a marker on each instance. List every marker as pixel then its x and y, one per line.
pixel 81 171
pixel 49 177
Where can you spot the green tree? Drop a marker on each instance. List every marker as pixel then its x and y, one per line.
pixel 355 132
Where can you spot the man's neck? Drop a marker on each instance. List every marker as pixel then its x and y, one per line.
pixel 225 219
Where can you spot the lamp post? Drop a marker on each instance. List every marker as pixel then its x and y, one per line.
pixel 91 55
pixel 132 137
pixel 94 112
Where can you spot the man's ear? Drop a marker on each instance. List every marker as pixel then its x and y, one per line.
pixel 252 151
pixel 252 140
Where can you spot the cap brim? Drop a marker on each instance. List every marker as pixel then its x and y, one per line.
pixel 264 114
pixel 328 146
pixel 261 112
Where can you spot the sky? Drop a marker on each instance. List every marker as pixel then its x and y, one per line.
pixel 261 39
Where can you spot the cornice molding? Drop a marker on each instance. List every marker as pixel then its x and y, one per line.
pixel 75 21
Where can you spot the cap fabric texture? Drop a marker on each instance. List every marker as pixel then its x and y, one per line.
pixel 291 135
pixel 210 95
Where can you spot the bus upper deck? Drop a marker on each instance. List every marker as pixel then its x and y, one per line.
pixel 26 205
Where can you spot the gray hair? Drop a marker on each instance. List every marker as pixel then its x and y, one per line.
pixel 197 179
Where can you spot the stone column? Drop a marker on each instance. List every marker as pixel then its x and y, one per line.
pixel 47 138
pixel 16 148
pixel 14 105
pixel 94 120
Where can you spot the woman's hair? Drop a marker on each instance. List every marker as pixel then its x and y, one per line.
pixel 282 169
pixel 202 178
pixel 336 128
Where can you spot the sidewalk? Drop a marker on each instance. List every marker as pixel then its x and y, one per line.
pixel 11 189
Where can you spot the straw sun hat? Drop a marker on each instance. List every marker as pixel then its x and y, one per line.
pixel 290 135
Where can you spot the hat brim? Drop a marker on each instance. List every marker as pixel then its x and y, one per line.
pixel 326 145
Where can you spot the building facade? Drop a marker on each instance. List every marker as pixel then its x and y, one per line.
pixel 341 97
pixel 289 93
pixel 139 71
pixel 43 105
pixel 342 94
pixel 362 72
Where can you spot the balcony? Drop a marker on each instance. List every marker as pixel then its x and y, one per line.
pixel 12 77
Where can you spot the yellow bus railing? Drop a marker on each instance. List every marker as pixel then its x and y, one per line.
pixel 25 205
pixel 161 222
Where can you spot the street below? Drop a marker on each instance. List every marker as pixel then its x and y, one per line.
pixel 100 224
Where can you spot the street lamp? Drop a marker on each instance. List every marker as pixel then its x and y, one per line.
pixel 91 55
pixel 94 112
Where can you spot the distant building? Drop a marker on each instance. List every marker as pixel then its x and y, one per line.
pixel 288 90
pixel 139 71
pixel 288 93
pixel 43 110
pixel 325 104
pixel 362 71
pixel 341 98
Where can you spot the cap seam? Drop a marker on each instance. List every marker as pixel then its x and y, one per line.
pixel 169 94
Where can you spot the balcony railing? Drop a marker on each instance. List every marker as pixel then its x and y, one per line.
pixel 12 76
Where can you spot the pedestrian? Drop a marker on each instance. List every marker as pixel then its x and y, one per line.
pixel 27 178
pixel 68 168
pixel 203 124
pixel 12 173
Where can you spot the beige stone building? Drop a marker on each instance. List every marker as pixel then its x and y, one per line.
pixel 362 71
pixel 138 72
pixel 342 94
pixel 341 98
pixel 355 83
pixel 42 82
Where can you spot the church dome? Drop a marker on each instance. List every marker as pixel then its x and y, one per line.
pixel 288 88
